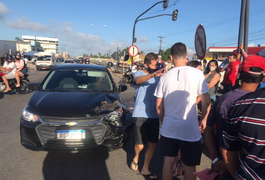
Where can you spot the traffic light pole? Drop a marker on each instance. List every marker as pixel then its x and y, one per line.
pixel 136 20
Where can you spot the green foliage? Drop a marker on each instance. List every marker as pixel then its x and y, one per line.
pixel 17 38
pixel 166 54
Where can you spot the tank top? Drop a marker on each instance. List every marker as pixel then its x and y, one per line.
pixel 212 90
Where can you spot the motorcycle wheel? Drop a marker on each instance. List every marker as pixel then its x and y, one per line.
pixel 124 80
pixel 23 89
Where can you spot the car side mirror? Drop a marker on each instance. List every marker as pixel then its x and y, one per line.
pixel 33 86
pixel 122 87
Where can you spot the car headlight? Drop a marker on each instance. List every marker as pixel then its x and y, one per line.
pixel 115 117
pixel 29 116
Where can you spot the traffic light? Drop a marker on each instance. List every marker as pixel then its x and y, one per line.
pixel 175 15
pixel 165 4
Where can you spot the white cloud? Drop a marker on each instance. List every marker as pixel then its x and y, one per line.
pixel 76 43
pixel 142 39
pixel 3 10
pixel 25 24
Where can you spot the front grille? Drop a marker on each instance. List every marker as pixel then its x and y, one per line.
pixel 94 136
pixel 63 120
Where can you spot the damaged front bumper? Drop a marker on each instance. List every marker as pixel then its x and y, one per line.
pixel 104 134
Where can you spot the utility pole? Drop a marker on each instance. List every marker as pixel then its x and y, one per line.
pixel 160 44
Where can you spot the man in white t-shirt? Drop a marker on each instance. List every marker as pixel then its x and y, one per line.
pixel 8 68
pixel 176 95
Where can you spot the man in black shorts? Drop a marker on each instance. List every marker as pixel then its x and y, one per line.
pixel 145 116
pixel 176 95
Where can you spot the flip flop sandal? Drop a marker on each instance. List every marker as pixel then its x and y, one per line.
pixel 133 163
pixel 150 176
pixel 17 86
pixel 5 91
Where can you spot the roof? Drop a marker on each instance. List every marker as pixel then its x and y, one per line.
pixel 251 50
pixel 82 66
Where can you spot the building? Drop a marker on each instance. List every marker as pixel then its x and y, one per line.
pixel 220 53
pixel 10 47
pixel 46 44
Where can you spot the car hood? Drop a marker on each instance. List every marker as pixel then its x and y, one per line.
pixel 72 104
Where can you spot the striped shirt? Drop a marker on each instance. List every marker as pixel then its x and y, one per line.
pixel 245 130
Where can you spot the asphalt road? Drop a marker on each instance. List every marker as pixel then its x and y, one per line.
pixel 18 163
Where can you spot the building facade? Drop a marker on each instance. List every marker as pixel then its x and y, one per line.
pixel 46 44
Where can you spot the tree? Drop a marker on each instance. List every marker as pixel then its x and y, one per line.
pixel 166 54
pixel 17 38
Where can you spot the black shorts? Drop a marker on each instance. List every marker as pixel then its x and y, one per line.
pixel 146 130
pixel 190 151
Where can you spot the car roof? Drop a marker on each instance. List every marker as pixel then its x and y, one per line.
pixel 82 66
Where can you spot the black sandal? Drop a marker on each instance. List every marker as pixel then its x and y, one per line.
pixel 133 163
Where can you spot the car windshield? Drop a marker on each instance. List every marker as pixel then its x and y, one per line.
pixel 44 58
pixel 84 80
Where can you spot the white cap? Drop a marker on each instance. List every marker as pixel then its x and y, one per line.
pixel 159 56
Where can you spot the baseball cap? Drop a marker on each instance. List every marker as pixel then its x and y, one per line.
pixel 159 56
pixel 253 61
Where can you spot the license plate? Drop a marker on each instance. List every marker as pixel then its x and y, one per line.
pixel 43 68
pixel 71 134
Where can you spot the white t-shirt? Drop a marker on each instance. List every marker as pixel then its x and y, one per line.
pixel 134 68
pixel 26 60
pixel 179 88
pixel 10 65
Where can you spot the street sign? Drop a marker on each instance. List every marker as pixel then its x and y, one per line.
pixel 133 50
pixel 200 42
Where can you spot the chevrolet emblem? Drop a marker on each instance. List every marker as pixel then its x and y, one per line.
pixel 71 123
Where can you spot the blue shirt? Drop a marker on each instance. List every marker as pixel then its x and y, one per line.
pixel 145 101
pixel 261 85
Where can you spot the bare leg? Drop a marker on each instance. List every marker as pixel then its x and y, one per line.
pixel 138 148
pixel 148 156
pixel 167 167
pixel 17 79
pixel 189 172
pixel 17 76
pixel 6 83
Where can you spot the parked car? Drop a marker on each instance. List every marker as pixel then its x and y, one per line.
pixel 76 107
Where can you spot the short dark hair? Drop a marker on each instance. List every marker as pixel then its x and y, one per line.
pixel 194 63
pixel 149 57
pixel 233 54
pixel 204 61
pixel 252 78
pixel 178 50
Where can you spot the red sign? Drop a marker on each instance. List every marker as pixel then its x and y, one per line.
pixel 133 50
pixel 200 42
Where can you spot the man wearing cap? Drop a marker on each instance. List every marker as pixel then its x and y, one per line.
pixel 218 115
pixel 244 130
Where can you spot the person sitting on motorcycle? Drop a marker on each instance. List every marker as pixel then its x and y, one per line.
pixel 134 69
pixel 80 61
pixel 20 72
pixel 8 68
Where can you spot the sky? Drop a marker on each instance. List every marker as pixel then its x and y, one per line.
pixel 86 26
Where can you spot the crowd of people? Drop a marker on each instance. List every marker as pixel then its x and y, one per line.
pixel 166 106
pixel 14 69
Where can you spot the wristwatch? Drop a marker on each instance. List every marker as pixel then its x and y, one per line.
pixel 215 160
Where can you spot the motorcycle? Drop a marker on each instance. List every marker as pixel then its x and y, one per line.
pixel 23 89
pixel 127 77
